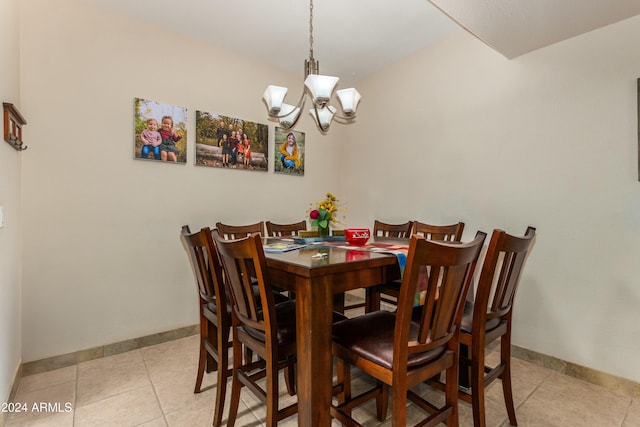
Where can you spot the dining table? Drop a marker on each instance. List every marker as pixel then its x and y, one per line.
pixel 316 272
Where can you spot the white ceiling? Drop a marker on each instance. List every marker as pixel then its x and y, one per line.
pixel 354 38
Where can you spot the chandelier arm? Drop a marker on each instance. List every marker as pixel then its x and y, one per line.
pixel 345 119
pixel 300 105
pixel 323 129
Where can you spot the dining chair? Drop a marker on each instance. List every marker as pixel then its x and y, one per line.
pixel 258 323
pixel 283 230
pixel 239 231
pixel 400 231
pixel 447 233
pixel 489 317
pixel 388 292
pixel 308 233
pixel 215 313
pixel 403 349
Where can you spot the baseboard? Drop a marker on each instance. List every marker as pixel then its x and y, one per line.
pixel 70 359
pixel 4 415
pixel 612 382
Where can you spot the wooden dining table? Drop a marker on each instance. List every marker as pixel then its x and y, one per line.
pixel 316 273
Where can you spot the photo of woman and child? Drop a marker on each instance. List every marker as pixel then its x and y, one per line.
pixel 162 138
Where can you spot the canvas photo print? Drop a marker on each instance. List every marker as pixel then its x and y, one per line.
pixel 289 152
pixel 231 143
pixel 160 131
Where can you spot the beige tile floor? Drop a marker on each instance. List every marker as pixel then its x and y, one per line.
pixel 153 387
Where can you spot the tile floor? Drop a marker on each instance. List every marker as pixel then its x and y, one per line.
pixel 153 387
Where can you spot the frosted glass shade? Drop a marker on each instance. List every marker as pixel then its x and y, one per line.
pixel 274 96
pixel 321 88
pixel 289 115
pixel 349 99
pixel 323 116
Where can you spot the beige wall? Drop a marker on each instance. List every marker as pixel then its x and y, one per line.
pixel 102 257
pixel 10 184
pixel 548 139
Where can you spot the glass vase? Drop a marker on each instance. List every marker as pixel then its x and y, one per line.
pixel 323 231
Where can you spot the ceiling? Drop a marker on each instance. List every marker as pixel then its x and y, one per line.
pixel 355 38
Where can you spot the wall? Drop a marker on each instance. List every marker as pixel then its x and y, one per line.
pixel 548 139
pixel 102 257
pixel 10 184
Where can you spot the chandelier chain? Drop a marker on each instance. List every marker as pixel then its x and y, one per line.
pixel 311 29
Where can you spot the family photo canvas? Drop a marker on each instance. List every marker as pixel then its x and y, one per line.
pixel 231 143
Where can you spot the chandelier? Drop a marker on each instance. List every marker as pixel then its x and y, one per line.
pixel 320 88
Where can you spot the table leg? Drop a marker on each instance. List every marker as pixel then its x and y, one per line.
pixel 315 367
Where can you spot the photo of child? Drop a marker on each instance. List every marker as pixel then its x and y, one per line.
pixel 289 152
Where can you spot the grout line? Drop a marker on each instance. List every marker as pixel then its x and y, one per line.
pixel 75 397
pixel 70 359
pixel 611 382
pixel 155 392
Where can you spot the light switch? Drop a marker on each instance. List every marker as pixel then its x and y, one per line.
pixel 1 217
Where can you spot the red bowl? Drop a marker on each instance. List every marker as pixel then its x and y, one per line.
pixel 357 236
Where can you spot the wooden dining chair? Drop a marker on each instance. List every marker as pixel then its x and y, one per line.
pixel 388 292
pixel 447 233
pixel 239 231
pixel 400 231
pixel 283 230
pixel 215 313
pixel 489 317
pixel 403 349
pixel 258 323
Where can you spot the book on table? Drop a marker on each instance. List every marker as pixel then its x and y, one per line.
pixel 281 245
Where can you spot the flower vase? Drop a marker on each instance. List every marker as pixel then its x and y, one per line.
pixel 323 231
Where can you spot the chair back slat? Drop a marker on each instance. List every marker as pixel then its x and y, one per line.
pixel 207 269
pixel 449 268
pixel 232 232
pixel 501 272
pixel 447 233
pixel 245 265
pixel 401 231
pixel 205 264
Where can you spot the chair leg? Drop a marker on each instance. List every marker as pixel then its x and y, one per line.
pixel 290 379
pixel 272 392
pixel 398 406
pixel 221 387
pixel 477 389
pixel 344 378
pixel 212 365
pixel 505 355
pixel 451 393
pixel 236 386
pixel 382 403
pixel 372 300
pixel 202 361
